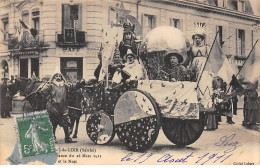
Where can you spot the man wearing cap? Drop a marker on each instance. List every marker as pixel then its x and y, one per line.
pixel 173 70
pixel 132 67
pixel 56 91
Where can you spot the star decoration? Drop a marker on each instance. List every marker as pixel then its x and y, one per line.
pixel 151 120
pixel 136 133
pixel 144 99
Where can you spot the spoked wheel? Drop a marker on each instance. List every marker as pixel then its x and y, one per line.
pixel 182 132
pixel 100 128
pixel 137 120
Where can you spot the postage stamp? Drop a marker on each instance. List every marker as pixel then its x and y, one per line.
pixel 35 135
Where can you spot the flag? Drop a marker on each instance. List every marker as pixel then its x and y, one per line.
pixel 32 30
pixel 219 64
pixel 250 70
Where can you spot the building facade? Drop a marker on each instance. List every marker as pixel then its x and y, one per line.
pixel 42 36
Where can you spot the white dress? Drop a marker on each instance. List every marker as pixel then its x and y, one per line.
pixel 199 56
pixel 136 71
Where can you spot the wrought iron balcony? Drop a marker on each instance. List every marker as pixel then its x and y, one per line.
pixel 26 40
pixel 71 38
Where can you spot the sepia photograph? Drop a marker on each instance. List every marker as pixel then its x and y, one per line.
pixel 130 82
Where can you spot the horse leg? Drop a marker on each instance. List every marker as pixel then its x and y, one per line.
pixel 54 126
pixel 76 129
pixel 72 119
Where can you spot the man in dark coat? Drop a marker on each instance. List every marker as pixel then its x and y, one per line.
pixel 173 70
pixel 3 99
pixel 251 104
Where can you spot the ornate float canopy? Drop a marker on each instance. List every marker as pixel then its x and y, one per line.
pixel 166 38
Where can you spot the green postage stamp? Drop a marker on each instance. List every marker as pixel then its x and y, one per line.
pixel 35 135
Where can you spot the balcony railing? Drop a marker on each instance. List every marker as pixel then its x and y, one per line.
pixel 71 38
pixel 26 40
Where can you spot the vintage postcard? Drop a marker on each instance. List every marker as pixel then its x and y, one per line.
pixel 129 82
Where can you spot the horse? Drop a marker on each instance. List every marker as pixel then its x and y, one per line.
pixel 75 109
pixel 27 87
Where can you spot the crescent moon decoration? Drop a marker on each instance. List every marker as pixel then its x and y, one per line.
pixel 100 128
pixel 92 129
pixel 150 133
pixel 92 134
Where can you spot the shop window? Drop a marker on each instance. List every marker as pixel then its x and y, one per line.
pixel 35 66
pixel 28 67
pixel 24 68
pixel 72 68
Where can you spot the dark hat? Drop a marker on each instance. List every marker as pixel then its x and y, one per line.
pixel 168 56
pixel 128 28
pixel 129 52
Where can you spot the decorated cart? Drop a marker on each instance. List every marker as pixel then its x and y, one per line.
pixel 136 110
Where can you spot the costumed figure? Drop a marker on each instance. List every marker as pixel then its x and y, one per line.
pixel 116 65
pixel 173 70
pixel 56 91
pixel 224 101
pixel 198 51
pixel 128 41
pixel 132 67
pixel 251 105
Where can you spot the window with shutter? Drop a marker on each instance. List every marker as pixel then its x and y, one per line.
pixel 240 42
pixel 149 22
pixel 25 16
pixel 36 19
pixel 177 23
pixel 72 24
pixel 5 25
pixel 71 16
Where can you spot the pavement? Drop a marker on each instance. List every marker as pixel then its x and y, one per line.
pixel 245 142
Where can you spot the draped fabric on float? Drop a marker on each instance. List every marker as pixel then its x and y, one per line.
pixel 178 99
